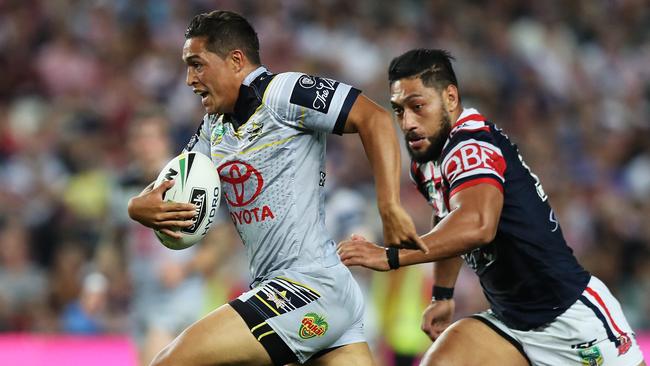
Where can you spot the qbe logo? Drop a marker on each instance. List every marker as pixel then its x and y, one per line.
pixel 476 157
pixel 244 183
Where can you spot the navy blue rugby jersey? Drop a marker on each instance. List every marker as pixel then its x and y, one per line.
pixel 528 273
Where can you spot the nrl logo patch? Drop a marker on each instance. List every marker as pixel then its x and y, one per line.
pixel 312 325
pixel 591 356
pixel 217 134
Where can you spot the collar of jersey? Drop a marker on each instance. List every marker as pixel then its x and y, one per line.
pixel 248 101
pixel 469 114
pixel 253 75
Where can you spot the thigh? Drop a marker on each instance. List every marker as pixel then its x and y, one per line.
pixel 220 338
pixel 356 354
pixel 470 342
pixel 305 313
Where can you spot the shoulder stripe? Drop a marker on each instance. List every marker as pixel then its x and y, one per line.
pixel 471 126
pixel 471 117
pixel 475 182
pixel 345 110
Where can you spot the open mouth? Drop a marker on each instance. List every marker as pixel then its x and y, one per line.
pixel 415 140
pixel 202 93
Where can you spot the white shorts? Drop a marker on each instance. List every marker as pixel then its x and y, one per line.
pixel 592 332
pixel 296 315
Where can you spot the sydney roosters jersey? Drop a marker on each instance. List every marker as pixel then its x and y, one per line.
pixel 528 273
pixel 270 154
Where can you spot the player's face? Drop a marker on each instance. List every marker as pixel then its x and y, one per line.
pixel 210 76
pixel 422 116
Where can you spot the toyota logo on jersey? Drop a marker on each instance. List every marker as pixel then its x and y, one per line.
pixel 245 182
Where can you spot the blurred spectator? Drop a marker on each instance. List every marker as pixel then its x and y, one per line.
pixel 23 285
pixel 86 315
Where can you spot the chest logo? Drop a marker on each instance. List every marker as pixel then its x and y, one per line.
pixel 245 182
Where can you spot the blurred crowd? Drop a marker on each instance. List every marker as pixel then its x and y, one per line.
pixel 93 102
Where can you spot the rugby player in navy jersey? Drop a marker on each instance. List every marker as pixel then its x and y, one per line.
pixel 491 210
pixel 266 134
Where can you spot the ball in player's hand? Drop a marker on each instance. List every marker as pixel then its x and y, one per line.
pixel 197 182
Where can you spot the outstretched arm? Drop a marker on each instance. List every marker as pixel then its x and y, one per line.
pixel 375 128
pixel 472 222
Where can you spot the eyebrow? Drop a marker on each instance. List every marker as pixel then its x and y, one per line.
pixel 191 58
pixel 406 100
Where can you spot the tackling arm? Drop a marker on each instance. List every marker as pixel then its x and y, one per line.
pixel 472 222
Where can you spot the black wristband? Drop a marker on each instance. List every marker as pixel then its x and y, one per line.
pixel 392 254
pixel 442 293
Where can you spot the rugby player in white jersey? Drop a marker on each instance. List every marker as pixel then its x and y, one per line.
pixel 266 133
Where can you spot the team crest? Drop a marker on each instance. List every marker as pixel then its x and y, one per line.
pixel 624 344
pixel 254 130
pixel 312 325
pixel 281 302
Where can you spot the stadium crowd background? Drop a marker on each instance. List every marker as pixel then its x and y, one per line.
pixel 569 81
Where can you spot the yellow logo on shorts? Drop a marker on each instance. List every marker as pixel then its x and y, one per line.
pixel 312 325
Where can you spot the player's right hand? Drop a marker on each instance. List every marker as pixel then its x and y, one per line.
pixel 437 317
pixel 149 209
pixel 399 229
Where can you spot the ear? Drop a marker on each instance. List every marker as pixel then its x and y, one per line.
pixel 237 60
pixel 451 98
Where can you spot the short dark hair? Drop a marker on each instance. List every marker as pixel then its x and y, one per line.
pixel 432 66
pixel 226 31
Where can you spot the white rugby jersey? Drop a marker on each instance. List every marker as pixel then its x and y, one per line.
pixel 272 167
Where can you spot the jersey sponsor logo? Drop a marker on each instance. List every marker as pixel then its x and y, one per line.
pixel 553 220
pixel 245 181
pixel 473 157
pixel 481 258
pixel 253 215
pixel 312 325
pixel 314 92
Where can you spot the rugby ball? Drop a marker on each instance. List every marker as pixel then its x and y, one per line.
pixel 196 181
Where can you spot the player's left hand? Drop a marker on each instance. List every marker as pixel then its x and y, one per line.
pixel 399 230
pixel 360 252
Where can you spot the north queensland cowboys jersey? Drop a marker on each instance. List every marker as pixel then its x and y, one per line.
pixel 270 154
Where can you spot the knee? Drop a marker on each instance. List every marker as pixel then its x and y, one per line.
pixel 439 356
pixel 162 358
pixel 167 357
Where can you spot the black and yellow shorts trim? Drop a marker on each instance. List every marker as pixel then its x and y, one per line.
pixel 275 297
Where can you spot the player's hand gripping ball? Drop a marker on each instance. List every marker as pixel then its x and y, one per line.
pixel 197 182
